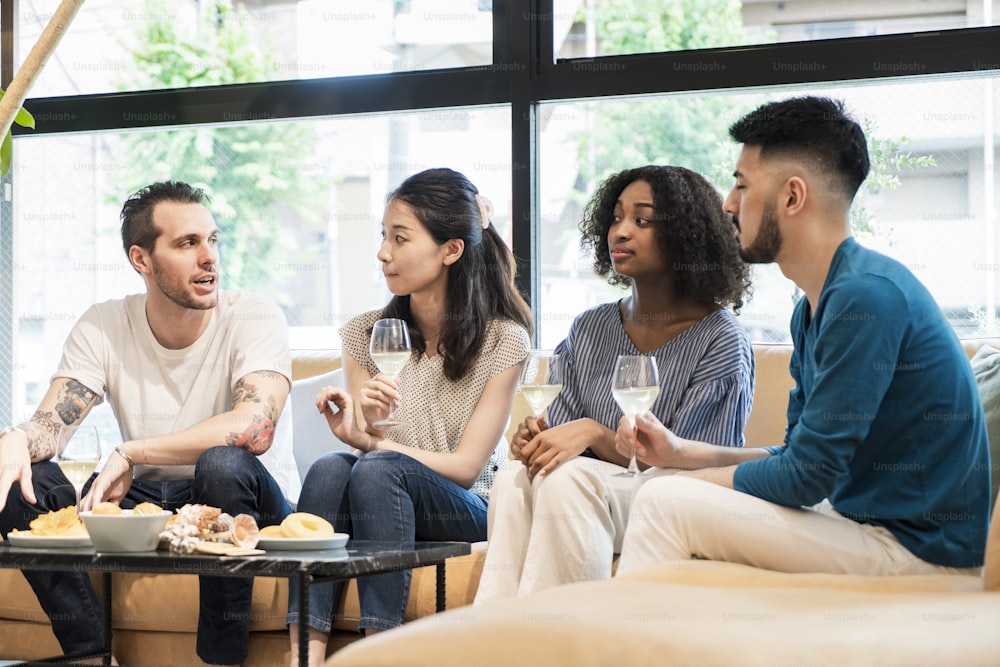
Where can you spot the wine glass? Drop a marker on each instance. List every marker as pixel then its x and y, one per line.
pixel 79 454
pixel 539 382
pixel 635 386
pixel 390 350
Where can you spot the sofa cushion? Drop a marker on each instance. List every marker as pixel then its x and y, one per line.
pixel 720 574
pixel 462 574
pixel 312 436
pixel 986 367
pixel 169 602
pixel 641 622
pixel 772 383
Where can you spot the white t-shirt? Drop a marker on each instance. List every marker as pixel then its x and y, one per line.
pixel 155 391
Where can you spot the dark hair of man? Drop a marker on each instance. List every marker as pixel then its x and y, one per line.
pixel 480 284
pixel 816 130
pixel 696 237
pixel 137 213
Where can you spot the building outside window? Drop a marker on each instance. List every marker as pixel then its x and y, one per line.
pixel 298 186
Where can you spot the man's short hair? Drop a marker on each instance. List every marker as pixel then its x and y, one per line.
pixel 815 130
pixel 137 213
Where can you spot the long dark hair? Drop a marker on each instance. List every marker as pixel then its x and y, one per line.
pixel 480 284
pixel 695 235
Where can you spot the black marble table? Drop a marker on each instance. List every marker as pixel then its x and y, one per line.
pixel 357 559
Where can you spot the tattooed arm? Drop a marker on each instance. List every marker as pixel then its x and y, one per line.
pixel 257 401
pixel 258 398
pixel 66 402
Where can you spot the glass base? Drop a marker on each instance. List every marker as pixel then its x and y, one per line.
pixel 627 473
pixel 388 422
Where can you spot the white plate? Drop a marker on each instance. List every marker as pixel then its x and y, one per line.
pixel 303 543
pixel 26 539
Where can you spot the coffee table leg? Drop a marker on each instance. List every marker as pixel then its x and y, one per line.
pixel 441 592
pixel 107 619
pixel 304 580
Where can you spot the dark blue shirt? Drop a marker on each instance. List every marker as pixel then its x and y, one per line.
pixel 885 418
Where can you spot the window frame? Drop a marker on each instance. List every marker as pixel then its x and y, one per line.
pixel 524 74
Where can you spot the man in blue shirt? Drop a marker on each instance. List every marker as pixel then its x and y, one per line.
pixel 885 468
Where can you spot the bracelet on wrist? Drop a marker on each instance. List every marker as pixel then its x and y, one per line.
pixel 120 452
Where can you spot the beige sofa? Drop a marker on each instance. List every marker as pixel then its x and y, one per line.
pixel 712 613
pixel 155 616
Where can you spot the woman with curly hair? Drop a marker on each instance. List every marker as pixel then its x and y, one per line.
pixel 558 513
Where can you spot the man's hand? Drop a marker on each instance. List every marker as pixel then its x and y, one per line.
pixel 15 465
pixel 111 484
pixel 655 444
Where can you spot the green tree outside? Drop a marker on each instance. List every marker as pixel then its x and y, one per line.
pixel 252 172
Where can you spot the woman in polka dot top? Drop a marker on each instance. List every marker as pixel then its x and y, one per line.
pixel 452 277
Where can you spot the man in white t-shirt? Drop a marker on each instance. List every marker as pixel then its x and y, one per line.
pixel 197 379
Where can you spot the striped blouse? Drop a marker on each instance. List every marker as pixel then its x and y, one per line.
pixel 706 375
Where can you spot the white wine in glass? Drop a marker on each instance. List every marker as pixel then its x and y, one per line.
pixel 540 381
pixel 79 454
pixel 389 348
pixel 635 386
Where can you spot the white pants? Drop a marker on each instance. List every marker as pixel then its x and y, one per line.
pixel 552 530
pixel 679 518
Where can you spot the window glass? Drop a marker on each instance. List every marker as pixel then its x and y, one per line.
pixel 588 28
pixel 929 201
pixel 299 206
pixel 151 44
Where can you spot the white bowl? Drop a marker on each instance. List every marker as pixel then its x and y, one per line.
pixel 125 531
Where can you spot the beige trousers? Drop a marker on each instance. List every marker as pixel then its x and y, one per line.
pixel 679 518
pixel 553 530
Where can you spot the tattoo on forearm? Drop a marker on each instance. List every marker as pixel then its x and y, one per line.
pixel 244 392
pixel 43 434
pixel 257 437
pixel 73 400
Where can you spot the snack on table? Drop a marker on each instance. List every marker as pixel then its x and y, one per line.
pixel 306 525
pixel 271 531
pixel 202 517
pixel 144 508
pixel 107 508
pixel 196 523
pixel 65 522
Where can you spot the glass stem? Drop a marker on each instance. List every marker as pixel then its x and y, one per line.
pixel 633 468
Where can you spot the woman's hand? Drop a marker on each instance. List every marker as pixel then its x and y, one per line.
pixel 551 446
pixel 526 430
pixel 655 444
pixel 340 417
pixel 377 397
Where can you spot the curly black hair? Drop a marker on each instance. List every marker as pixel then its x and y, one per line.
pixel 695 234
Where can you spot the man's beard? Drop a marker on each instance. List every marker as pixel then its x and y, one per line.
pixel 177 294
pixel 766 245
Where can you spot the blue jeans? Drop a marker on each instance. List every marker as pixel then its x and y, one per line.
pixel 225 477
pixel 388 497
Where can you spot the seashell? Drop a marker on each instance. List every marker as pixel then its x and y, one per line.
pixel 244 532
